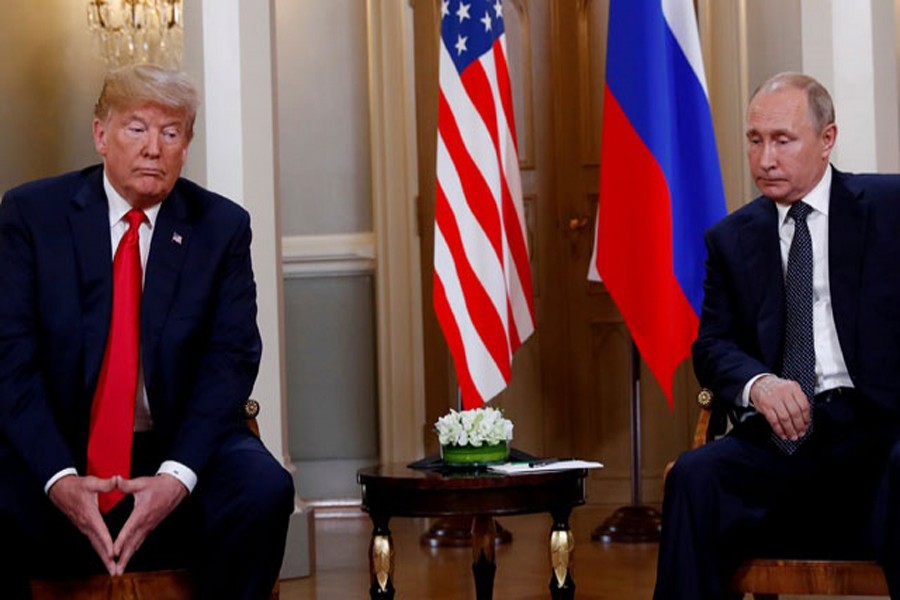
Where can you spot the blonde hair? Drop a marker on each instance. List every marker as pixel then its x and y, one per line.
pixel 135 85
pixel 820 106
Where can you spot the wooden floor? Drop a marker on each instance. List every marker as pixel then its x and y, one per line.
pixel 602 571
pixel 523 569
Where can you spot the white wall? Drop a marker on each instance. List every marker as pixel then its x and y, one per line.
pixel 325 183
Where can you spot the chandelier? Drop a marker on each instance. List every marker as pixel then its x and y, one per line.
pixel 138 31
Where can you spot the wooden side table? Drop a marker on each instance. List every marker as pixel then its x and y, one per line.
pixel 394 490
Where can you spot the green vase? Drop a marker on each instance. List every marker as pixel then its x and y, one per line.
pixel 472 456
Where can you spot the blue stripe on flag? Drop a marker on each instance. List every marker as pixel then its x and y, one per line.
pixel 665 103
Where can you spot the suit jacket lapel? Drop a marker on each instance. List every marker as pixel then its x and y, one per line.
pixel 89 223
pixel 762 255
pixel 847 220
pixel 168 248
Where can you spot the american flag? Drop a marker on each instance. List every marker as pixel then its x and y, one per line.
pixel 482 278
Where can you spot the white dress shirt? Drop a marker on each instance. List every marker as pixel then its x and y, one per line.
pixel 143 421
pixel 831 370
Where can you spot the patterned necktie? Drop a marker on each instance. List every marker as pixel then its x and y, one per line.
pixel 799 355
pixel 112 413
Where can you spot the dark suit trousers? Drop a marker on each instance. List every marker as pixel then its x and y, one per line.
pixel 838 496
pixel 230 531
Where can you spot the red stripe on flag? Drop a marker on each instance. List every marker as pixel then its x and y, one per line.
pixel 489 310
pixel 475 188
pixel 504 89
pixel 470 396
pixel 514 340
pixel 636 219
pixel 481 310
pixel 517 246
pixel 519 255
pixel 514 227
pixel 478 88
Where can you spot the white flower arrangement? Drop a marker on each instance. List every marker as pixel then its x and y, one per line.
pixel 474 427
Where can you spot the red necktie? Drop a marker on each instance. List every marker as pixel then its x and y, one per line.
pixel 112 413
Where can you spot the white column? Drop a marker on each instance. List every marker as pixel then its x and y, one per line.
pixel 850 46
pixel 723 37
pixel 401 387
pixel 239 143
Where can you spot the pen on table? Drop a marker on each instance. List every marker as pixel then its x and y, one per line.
pixel 542 461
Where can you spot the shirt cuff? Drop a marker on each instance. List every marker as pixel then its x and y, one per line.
pixel 57 477
pixel 180 472
pixel 745 396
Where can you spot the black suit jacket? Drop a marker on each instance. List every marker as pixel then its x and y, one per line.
pixel 742 321
pixel 200 346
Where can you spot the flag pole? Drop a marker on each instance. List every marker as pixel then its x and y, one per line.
pixel 635 523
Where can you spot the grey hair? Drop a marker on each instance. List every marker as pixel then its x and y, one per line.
pixel 135 85
pixel 820 105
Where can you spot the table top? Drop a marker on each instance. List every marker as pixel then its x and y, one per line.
pixel 397 490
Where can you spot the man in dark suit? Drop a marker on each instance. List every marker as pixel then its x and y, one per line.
pixel 197 488
pixel 800 339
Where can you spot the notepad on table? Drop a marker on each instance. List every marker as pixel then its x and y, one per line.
pixel 537 466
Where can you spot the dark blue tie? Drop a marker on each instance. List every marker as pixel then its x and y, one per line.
pixel 799 354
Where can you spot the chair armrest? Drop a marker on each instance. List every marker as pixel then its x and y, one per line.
pixel 711 421
pixel 249 411
pixel 702 429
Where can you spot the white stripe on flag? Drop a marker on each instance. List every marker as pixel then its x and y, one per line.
pixel 480 259
pixel 485 375
pixel 475 134
pixel 478 250
pixel 683 23
pixel 524 321
pixel 593 273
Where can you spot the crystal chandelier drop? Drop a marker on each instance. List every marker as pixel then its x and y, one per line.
pixel 138 31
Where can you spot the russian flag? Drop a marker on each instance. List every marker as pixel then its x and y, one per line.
pixel 660 182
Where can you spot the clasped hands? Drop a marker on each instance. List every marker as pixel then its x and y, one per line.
pixel 783 404
pixel 154 499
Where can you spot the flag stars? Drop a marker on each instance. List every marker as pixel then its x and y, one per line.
pixel 487 22
pixel 463 12
pixel 445 8
pixel 461 44
pixel 498 9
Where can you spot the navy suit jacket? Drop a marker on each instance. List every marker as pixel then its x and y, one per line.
pixel 742 320
pixel 200 346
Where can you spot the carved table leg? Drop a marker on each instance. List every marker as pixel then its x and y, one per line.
pixel 381 560
pixel 562 546
pixel 483 566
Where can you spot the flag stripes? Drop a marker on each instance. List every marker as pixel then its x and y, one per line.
pixel 637 263
pixel 660 183
pixel 482 277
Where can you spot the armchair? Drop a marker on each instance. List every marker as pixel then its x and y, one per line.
pixel 767 578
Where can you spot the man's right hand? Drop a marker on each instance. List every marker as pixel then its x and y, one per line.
pixel 783 404
pixel 76 497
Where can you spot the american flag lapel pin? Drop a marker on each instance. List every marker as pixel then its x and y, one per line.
pixel 176 237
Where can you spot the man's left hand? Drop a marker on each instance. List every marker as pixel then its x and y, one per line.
pixel 154 499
